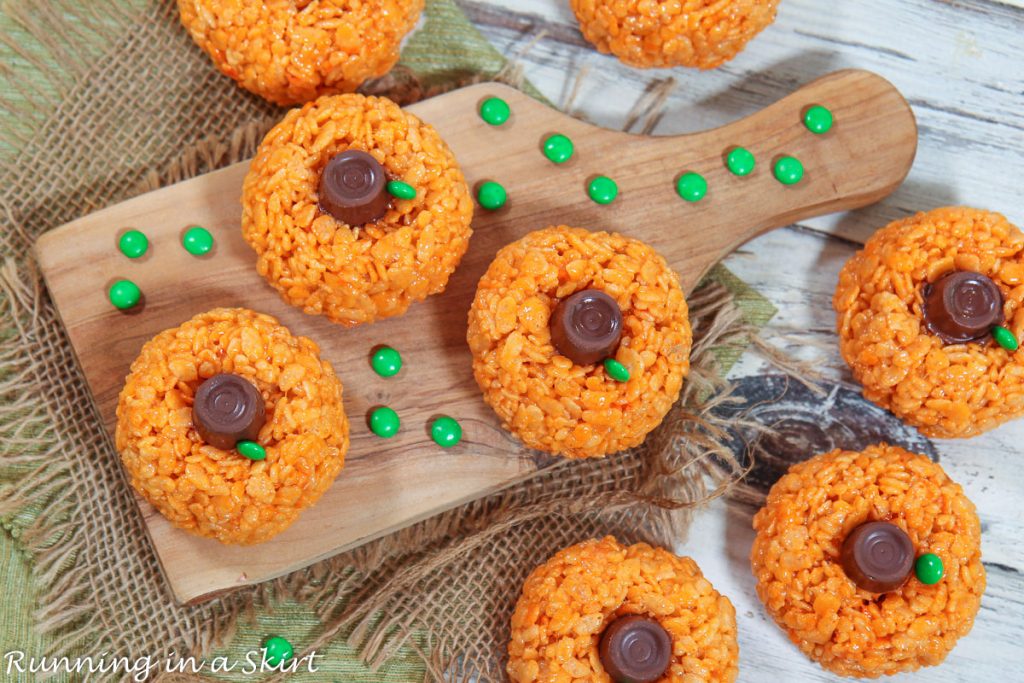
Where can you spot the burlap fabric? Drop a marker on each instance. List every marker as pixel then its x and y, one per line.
pixel 118 100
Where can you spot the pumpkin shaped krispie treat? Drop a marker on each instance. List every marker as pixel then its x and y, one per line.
pixel 293 51
pixel 870 561
pixel 580 340
pixel 356 209
pixel 602 612
pixel 695 33
pixel 929 315
pixel 230 426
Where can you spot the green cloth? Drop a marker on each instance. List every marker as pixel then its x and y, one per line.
pixel 16 632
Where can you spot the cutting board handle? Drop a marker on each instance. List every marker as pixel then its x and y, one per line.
pixel 864 157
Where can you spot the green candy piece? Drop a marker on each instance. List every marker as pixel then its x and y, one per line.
pixel 495 111
pixel 384 422
pixel 491 196
pixel 133 244
pixel 124 294
pixel 446 432
pixel 251 450
pixel 401 190
pixel 789 170
pixel 741 162
pixel 558 148
pixel 818 120
pixel 1005 338
pixel 386 362
pixel 929 569
pixel 197 241
pixel 276 650
pixel 616 370
pixel 603 190
pixel 692 187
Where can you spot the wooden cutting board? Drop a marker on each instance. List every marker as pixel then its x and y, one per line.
pixel 390 484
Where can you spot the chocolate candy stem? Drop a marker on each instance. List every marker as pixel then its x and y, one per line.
pixel 353 188
pixel 878 556
pixel 635 649
pixel 962 306
pixel 228 409
pixel 586 327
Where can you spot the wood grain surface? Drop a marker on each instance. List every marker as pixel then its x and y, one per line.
pixel 959 65
pixel 864 157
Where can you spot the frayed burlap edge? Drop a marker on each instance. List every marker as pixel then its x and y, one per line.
pixel 65 37
pixel 367 593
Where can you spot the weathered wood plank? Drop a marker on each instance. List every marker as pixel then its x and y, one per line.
pixel 958 63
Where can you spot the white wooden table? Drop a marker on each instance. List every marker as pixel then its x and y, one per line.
pixel 961 66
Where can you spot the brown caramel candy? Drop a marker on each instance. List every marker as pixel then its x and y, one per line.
pixel 635 649
pixel 353 188
pixel 586 327
pixel 962 306
pixel 228 409
pixel 878 556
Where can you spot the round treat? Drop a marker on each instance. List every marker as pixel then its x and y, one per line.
pixel 197 241
pixel 124 294
pixel 823 506
pixel 355 273
pixel 133 244
pixel 696 33
pixel 599 595
pixel 446 431
pixel 292 51
pixel 222 493
pixel 547 400
pixel 277 650
pixel 890 299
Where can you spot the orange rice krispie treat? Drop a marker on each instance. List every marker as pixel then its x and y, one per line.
pixel 602 612
pixel 356 209
pixel 929 314
pixel 695 33
pixel 230 426
pixel 293 51
pixel 553 306
pixel 871 562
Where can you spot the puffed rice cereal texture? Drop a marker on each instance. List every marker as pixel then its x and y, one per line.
pixel 568 601
pixel 355 274
pixel 946 391
pixel 293 51
pixel 800 578
pixel 541 396
pixel 221 494
pixel 664 33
